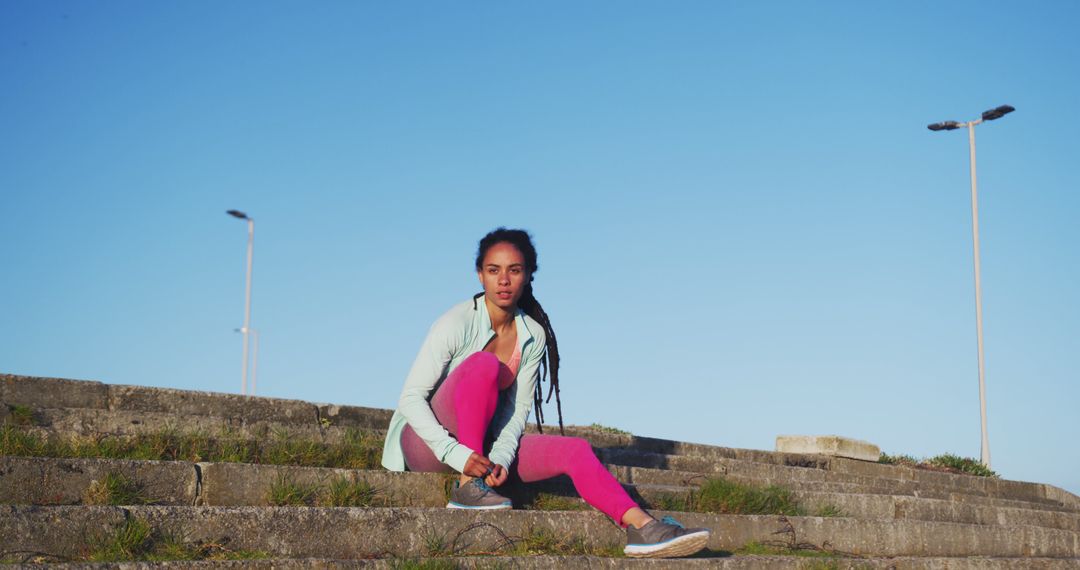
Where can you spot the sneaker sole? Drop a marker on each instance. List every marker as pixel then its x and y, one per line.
pixel 674 548
pixel 501 507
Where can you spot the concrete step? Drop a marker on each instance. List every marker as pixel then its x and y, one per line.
pixel 90 423
pixel 117 409
pixel 94 422
pixel 769 474
pixel 645 475
pixel 301 532
pixel 57 393
pixel 44 481
pixel 540 562
pixel 86 422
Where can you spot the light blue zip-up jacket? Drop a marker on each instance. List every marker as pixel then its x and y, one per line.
pixel 458 334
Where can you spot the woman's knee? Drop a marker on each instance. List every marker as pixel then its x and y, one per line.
pixel 577 450
pixel 480 367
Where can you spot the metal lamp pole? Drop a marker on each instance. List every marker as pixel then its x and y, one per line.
pixel 995 113
pixel 247 292
pixel 255 362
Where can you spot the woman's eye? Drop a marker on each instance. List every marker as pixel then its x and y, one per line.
pixel 515 270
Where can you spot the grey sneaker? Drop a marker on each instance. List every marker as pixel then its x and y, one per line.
pixel 665 538
pixel 476 495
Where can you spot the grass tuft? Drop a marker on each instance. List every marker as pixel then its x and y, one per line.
pixel 898 460
pixel 961 464
pixel 719 495
pixel 130 542
pixel 115 489
pixel 20 415
pixel 14 441
pixel 137 541
pixel 829 511
pixel 944 462
pixel 284 492
pixel 551 502
pixel 342 492
pixel 607 429
pixel 436 544
pixel 541 541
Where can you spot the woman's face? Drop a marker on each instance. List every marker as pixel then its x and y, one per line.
pixel 503 275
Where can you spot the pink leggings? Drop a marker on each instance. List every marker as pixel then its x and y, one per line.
pixel 465 403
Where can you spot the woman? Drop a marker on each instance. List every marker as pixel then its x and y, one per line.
pixel 468 394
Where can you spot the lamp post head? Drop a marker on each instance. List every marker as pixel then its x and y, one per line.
pixel 237 214
pixel 945 126
pixel 997 112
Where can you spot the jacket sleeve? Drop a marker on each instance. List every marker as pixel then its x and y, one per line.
pixel 513 412
pixel 444 339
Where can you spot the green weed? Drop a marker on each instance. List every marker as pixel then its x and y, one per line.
pixel 961 464
pixel 284 492
pixel 722 496
pixel 136 541
pixel 436 544
pixel 718 495
pixel 20 415
pixel 828 511
pixel 607 429
pixel 550 502
pixel 898 460
pixel 14 441
pixel 130 542
pixel 541 541
pixel 115 489
pixel 943 462
pixel 342 492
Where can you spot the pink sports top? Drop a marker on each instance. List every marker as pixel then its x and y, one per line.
pixel 508 371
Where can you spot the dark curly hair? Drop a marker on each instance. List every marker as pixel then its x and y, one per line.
pixel 528 303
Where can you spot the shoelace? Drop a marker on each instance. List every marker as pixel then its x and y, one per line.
pixel 671 521
pixel 480 484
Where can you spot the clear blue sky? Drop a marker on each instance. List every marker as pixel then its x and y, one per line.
pixel 745 228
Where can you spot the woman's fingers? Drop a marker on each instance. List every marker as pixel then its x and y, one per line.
pixel 498 476
pixel 478 465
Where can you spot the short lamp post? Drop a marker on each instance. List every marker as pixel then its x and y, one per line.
pixel 992 114
pixel 246 329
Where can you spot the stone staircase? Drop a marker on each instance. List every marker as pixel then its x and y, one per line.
pixel 218 513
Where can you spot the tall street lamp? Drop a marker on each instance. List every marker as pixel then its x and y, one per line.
pixel 254 358
pixel 246 330
pixel 995 113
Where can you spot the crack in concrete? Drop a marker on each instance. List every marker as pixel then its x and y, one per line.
pixel 198 485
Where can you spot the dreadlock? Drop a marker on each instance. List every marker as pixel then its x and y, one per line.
pixel 528 303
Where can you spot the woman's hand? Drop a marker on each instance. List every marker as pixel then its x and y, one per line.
pixel 479 466
pixel 498 476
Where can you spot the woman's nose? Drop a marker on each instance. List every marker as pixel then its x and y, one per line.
pixel 504 279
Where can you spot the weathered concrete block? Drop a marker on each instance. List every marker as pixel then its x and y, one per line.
pixel 1061 496
pixel 298 532
pixel 52 392
pixel 88 422
pixel 241 484
pixel 192 403
pixel 828 445
pixel 354 417
pixel 48 481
